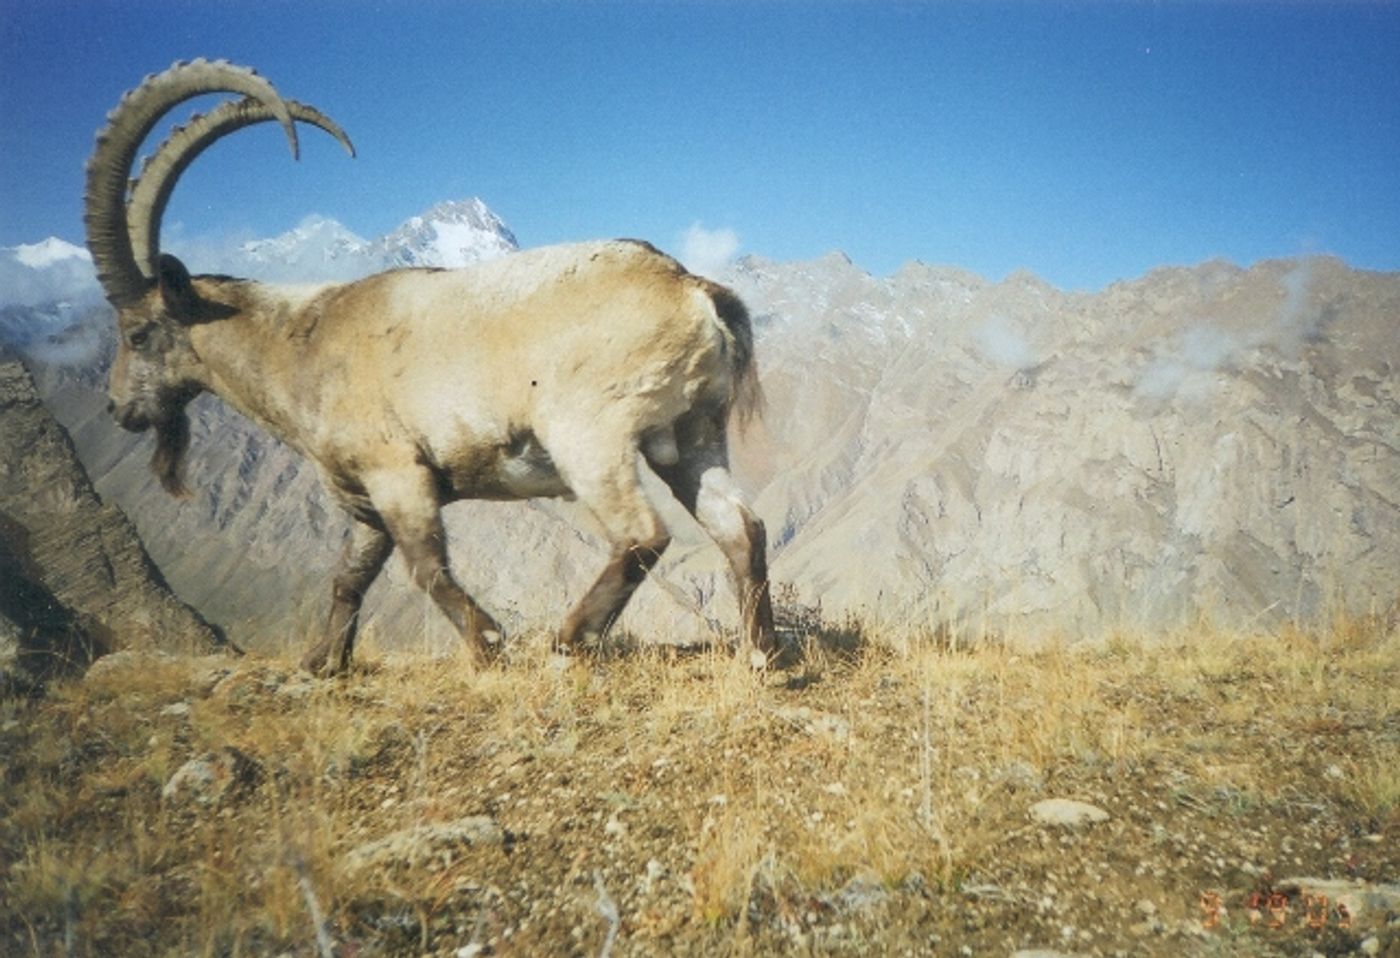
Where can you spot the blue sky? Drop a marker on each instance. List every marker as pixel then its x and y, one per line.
pixel 1086 142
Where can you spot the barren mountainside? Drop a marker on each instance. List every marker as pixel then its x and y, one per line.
pixel 74 579
pixel 1208 441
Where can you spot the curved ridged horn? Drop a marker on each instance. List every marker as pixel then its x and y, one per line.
pixel 162 170
pixel 127 126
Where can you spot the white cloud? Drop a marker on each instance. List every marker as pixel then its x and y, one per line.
pixel 1002 343
pixel 46 273
pixel 1298 320
pixel 76 345
pixel 1188 365
pixel 707 252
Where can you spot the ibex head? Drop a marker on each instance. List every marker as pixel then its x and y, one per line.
pixel 156 368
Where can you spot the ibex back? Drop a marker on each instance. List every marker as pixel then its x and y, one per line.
pixel 555 372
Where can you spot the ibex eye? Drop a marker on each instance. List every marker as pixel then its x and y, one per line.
pixel 138 338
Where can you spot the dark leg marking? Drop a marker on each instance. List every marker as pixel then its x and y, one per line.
pixel 365 552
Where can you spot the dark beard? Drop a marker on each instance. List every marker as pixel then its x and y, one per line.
pixel 167 462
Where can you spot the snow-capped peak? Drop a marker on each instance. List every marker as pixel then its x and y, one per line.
pixel 315 238
pixel 450 234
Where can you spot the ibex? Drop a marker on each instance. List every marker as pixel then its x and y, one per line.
pixel 560 371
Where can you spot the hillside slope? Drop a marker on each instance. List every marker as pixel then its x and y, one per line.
pixel 74 579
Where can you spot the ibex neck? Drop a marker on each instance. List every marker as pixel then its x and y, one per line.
pixel 254 361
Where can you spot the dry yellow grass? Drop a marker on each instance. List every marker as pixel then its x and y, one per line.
pixel 873 796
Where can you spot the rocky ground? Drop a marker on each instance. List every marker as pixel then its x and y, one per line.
pixel 1208 794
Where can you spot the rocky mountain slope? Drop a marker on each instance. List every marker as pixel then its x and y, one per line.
pixel 1205 441
pixel 74 579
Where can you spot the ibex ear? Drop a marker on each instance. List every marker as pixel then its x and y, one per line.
pixel 176 290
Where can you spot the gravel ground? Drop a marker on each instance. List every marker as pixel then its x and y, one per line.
pixel 1215 797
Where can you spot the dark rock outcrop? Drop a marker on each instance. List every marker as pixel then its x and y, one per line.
pixel 75 581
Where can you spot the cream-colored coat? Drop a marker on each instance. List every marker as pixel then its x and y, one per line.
pixel 576 346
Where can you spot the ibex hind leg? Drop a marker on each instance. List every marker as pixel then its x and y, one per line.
pixel 366 550
pixel 407 500
pixel 611 488
pixel 701 482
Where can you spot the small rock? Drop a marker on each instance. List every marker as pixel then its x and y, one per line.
pixel 122 661
pixel 987 893
pixel 210 677
pixel 297 687
pixel 1067 812
pixel 858 894
pixel 414 845
pixel 814 723
pixel 176 709
pixel 212 777
pixel 1370 945
pixel 1020 775
pixel 1151 925
pixel 655 872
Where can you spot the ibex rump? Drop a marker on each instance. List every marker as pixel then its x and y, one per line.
pixel 554 372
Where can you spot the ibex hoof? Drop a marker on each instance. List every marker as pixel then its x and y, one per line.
pixel 322 669
pixel 314 661
pixel 485 647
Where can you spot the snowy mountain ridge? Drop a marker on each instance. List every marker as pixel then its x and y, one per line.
pixel 46 288
pixel 448 235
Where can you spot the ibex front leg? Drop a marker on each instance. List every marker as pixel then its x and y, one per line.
pixel 365 551
pixel 407 500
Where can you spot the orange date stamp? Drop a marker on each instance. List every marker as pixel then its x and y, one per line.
pixel 1271 908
